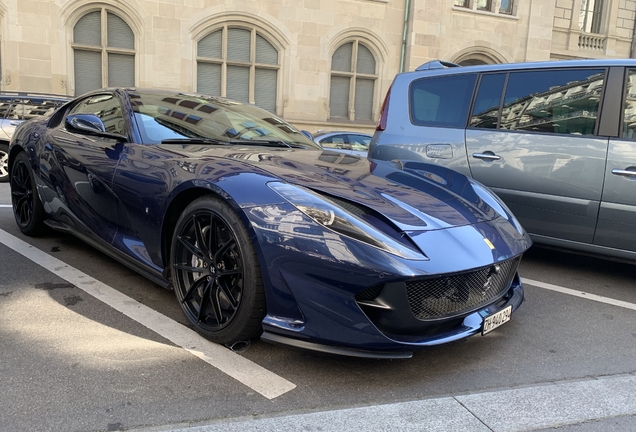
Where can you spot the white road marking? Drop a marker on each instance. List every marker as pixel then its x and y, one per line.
pixel 6 206
pixel 581 294
pixel 241 369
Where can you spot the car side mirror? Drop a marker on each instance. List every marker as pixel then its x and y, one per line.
pixel 91 124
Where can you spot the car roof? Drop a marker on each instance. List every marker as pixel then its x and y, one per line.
pixel 27 95
pixel 438 67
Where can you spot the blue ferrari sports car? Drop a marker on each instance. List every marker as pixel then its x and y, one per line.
pixel 259 231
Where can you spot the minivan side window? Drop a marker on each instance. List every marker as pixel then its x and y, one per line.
pixel 629 114
pixel 486 107
pixel 441 101
pixel 554 101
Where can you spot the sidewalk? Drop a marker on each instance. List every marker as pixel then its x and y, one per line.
pixel 602 404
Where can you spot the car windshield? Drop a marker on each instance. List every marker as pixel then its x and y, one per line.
pixel 174 118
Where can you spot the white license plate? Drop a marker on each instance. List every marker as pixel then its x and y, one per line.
pixel 493 321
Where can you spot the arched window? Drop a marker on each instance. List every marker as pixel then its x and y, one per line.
pixel 103 52
pixel 239 64
pixel 353 80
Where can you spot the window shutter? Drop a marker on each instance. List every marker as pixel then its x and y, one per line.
pixel 341 60
pixel 366 62
pixel 265 51
pixel 119 33
pixel 88 71
pixel 209 78
pixel 265 89
pixel 238 78
pixel 364 99
pixel 238 44
pixel 339 97
pixel 210 46
pixel 88 30
pixel 121 70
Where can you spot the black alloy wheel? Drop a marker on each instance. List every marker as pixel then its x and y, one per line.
pixel 215 272
pixel 4 162
pixel 27 207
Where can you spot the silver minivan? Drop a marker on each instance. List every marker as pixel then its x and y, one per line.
pixel 555 140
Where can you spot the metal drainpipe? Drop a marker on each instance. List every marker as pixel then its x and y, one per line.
pixel 406 24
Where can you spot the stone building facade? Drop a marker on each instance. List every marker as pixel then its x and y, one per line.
pixel 320 64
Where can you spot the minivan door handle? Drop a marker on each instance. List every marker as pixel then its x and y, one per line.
pixel 625 173
pixel 486 156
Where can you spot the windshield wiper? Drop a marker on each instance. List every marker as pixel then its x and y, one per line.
pixel 196 141
pixel 269 143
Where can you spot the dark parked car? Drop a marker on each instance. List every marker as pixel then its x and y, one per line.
pixel 14 109
pixel 555 140
pixel 257 229
pixel 355 143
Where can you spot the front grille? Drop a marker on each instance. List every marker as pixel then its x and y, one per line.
pixel 452 295
pixel 369 294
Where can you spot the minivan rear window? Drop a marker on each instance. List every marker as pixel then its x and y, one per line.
pixel 441 101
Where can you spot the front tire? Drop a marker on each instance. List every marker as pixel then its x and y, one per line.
pixel 215 272
pixel 27 207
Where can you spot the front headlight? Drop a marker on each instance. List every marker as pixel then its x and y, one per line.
pixel 333 217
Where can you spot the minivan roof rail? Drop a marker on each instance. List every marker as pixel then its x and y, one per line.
pixel 436 64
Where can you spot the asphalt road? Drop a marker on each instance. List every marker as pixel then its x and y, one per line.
pixel 72 362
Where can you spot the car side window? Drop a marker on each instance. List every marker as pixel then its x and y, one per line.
pixel 16 110
pixel 5 106
pixel 553 101
pixel 486 108
pixel 335 141
pixel 629 113
pixel 39 107
pixel 107 108
pixel 441 101
pixel 359 142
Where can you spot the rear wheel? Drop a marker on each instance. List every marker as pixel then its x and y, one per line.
pixel 215 272
pixel 27 207
pixel 4 162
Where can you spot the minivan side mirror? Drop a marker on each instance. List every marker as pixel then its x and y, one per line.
pixel 91 124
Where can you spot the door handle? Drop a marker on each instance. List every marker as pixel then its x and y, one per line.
pixel 625 173
pixel 14 123
pixel 486 156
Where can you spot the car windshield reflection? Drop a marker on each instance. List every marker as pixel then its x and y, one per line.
pixel 165 119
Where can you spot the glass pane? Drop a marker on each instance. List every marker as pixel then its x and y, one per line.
pixel 119 34
pixel 265 51
pixel 339 97
pixel 121 70
pixel 564 101
pixel 364 99
pixel 88 71
pixel 210 46
pixel 506 7
pixel 209 78
pixel 366 61
pixel 461 3
pixel 629 115
pixel 265 89
pixel 483 5
pixel 486 108
pixel 39 107
pixel 238 44
pixel 238 79
pixel 341 60
pixel 88 30
pixel 442 101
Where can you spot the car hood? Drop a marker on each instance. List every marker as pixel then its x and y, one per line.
pixel 415 196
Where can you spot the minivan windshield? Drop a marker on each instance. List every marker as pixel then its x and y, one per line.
pixel 172 118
